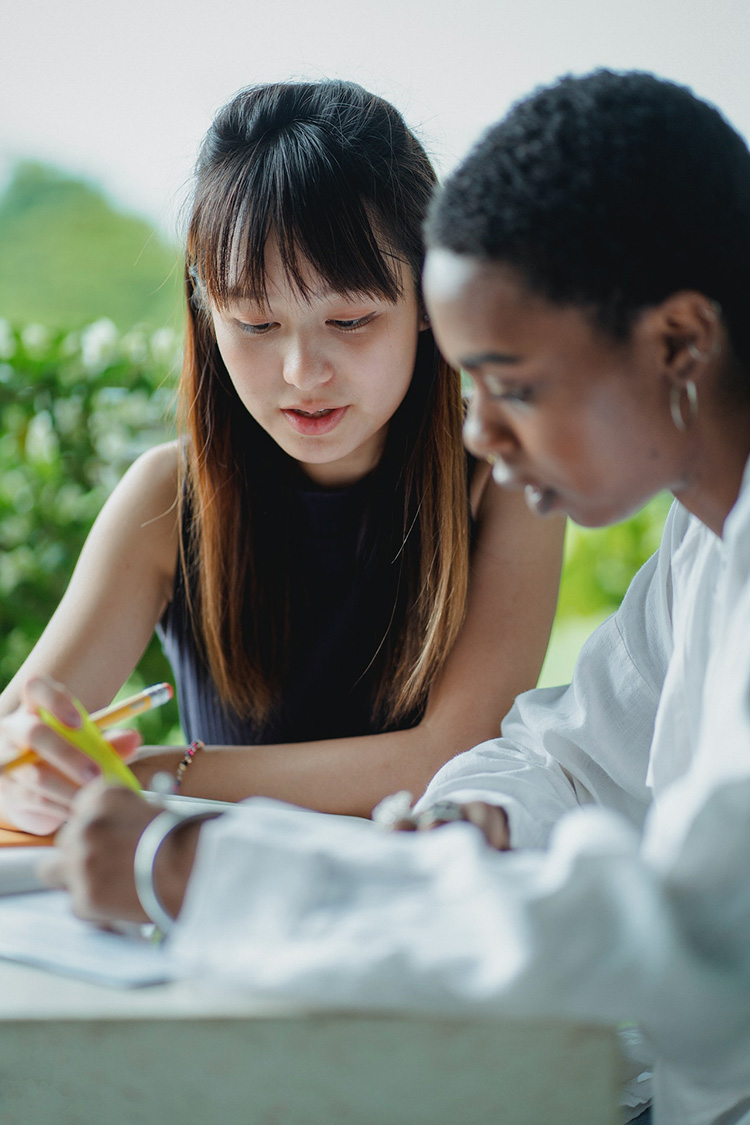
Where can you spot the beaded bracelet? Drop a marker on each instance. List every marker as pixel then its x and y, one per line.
pixel 190 753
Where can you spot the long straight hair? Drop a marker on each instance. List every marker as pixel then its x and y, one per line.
pixel 333 174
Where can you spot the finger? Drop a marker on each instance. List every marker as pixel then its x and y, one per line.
pixel 37 816
pixel 61 755
pixel 125 742
pixel 24 730
pixel 443 812
pixel 404 824
pixel 43 691
pixel 39 780
pixel 52 872
pixel 88 801
pixel 491 820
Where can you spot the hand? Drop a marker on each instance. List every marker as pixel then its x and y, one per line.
pixel 491 820
pixel 96 849
pixel 36 796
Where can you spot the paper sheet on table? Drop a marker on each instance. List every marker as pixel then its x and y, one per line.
pixel 40 929
pixel 19 869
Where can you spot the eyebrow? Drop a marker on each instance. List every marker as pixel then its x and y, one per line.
pixel 494 359
pixel 237 294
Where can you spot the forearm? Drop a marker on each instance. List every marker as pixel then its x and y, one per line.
pixel 345 775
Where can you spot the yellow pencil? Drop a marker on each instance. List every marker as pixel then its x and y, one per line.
pixel 155 696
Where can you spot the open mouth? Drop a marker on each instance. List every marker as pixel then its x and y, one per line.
pixel 314 422
pixel 313 413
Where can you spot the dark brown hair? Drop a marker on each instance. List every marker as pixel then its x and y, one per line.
pixel 334 174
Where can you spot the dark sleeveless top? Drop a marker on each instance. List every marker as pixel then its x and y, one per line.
pixel 339 623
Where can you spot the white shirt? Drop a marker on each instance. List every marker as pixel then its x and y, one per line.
pixel 629 792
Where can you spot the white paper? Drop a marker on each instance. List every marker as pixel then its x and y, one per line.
pixel 19 869
pixel 41 930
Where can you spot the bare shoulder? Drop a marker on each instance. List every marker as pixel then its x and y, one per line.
pixel 153 478
pixel 141 513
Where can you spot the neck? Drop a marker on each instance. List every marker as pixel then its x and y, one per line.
pixel 715 469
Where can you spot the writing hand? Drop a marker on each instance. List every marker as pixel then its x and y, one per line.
pixel 96 849
pixel 36 795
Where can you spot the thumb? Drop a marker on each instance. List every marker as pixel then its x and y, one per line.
pixel 124 742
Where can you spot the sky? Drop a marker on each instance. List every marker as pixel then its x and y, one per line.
pixel 122 94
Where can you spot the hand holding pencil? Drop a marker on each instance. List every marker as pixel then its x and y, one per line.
pixel 63 748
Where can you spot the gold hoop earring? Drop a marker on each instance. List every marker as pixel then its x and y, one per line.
pixel 675 405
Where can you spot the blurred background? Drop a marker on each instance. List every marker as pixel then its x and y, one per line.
pixel 103 108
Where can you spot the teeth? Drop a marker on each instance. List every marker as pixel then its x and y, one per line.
pixel 315 413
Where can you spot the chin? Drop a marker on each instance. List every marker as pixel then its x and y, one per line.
pixel 605 516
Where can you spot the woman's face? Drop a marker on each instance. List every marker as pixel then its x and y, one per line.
pixel 578 421
pixel 322 375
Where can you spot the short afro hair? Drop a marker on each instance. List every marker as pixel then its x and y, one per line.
pixel 612 191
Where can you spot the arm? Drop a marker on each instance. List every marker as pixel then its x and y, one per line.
pixel 499 652
pixel 117 593
pixel 566 746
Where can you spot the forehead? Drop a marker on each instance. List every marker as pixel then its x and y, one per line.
pixel 458 279
pixel 479 307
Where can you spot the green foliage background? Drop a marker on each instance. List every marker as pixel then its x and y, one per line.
pixel 75 410
pixel 69 257
pixel 87 378
pixel 598 566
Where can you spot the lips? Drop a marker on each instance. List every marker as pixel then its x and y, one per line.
pixel 314 420
pixel 539 500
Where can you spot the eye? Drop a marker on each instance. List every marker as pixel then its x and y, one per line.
pixel 254 329
pixel 352 325
pixel 500 390
pixel 517 395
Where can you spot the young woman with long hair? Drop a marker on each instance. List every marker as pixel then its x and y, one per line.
pixel 318 555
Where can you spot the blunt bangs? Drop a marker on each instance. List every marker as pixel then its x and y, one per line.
pixel 294 190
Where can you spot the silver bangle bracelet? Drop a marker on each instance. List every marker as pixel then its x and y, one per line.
pixel 147 849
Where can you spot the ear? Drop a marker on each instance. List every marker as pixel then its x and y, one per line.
pixel 690 335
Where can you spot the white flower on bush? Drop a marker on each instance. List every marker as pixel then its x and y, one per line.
pixel 99 343
pixel 7 340
pixel 165 346
pixel 41 439
pixel 71 344
pixel 135 346
pixel 35 338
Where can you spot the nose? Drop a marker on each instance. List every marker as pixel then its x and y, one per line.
pixel 305 367
pixel 486 431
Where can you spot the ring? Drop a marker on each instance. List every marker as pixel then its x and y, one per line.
pixel 441 813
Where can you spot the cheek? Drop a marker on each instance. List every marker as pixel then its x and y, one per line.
pixel 249 377
pixel 385 372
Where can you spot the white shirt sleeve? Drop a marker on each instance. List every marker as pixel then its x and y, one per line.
pixel 567 746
